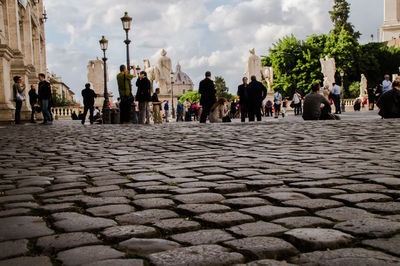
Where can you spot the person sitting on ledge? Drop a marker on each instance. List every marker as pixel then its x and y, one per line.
pixel 389 102
pixel 316 106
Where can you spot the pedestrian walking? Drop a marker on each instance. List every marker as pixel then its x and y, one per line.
pixel 156 107
pixel 297 102
pixel 44 97
pixel 19 97
pixel 257 93
pixel 143 96
pixel 371 98
pixel 166 109
pixel 208 98
pixel 243 99
pixel 335 94
pixel 389 102
pixel 277 103
pixel 33 99
pixel 179 112
pixel 125 92
pixel 284 107
pixel 88 102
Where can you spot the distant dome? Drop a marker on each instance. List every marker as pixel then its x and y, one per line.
pixel 182 77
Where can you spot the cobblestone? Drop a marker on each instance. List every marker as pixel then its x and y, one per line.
pixel 184 193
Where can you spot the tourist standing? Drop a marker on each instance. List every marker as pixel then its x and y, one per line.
pixel 297 102
pixel 125 93
pixel 166 109
pixel 284 106
pixel 143 96
pixel 33 99
pixel 389 102
pixel 44 98
pixel 386 84
pixel 179 112
pixel 277 103
pixel 336 98
pixel 257 93
pixel 187 107
pixel 312 105
pixel 118 103
pixel 156 107
pixel 88 102
pixel 218 111
pixel 243 99
pixel 371 98
pixel 19 97
pixel 208 98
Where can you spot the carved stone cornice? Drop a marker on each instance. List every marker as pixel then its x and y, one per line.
pixel 6 52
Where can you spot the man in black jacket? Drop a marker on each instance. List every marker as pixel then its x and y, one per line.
pixel 88 101
pixel 44 98
pixel 208 99
pixel 257 93
pixel 389 102
pixel 33 98
pixel 243 99
pixel 143 96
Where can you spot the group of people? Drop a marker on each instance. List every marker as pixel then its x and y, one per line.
pixel 40 101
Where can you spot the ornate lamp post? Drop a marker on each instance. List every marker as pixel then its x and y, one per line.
pixel 172 94
pixel 106 108
pixel 342 91
pixel 126 25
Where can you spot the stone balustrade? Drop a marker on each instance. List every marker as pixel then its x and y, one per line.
pixel 64 113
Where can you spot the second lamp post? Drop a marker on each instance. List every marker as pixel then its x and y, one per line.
pixel 106 107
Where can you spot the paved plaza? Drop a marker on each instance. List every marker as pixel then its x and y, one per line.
pixel 280 192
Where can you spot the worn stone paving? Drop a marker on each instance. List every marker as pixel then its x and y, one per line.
pixel 282 192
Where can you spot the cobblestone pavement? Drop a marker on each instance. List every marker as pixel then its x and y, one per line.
pixel 275 193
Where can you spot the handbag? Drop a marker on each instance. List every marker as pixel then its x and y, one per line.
pixel 21 96
pixel 292 104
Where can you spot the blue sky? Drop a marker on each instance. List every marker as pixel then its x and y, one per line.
pixel 200 34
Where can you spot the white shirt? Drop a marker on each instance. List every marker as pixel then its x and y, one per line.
pixel 336 90
pixel 96 112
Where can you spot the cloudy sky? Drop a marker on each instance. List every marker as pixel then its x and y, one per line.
pixel 200 34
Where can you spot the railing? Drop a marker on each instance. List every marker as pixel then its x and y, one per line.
pixel 64 113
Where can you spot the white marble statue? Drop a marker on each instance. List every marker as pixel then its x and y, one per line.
pixel 151 72
pixel 328 68
pixel 163 73
pixel 363 86
pixel 254 66
pixel 268 76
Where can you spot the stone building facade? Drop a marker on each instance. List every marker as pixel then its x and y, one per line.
pixel 390 32
pixel 59 88
pixel 22 50
pixel 182 84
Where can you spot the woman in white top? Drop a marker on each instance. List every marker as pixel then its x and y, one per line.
pixel 218 111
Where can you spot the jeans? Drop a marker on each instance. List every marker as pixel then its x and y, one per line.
pixel 243 112
pixel 45 110
pixel 336 100
pixel 33 113
pixel 166 115
pixel 18 107
pixel 86 109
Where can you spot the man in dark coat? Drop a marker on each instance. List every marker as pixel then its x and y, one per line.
pixel 88 101
pixel 208 98
pixel 257 93
pixel 389 102
pixel 33 99
pixel 243 99
pixel 45 98
pixel 143 96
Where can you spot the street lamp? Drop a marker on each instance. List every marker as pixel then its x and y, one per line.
pixel 106 108
pixel 343 107
pixel 172 94
pixel 126 25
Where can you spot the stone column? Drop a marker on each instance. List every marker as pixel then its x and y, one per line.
pixel 6 106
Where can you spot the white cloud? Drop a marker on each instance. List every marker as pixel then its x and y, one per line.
pixel 200 34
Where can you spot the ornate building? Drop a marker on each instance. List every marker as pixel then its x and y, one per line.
pixel 60 89
pixel 22 50
pixel 390 32
pixel 182 84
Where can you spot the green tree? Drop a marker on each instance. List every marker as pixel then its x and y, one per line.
pixel 222 90
pixel 193 96
pixel 340 16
